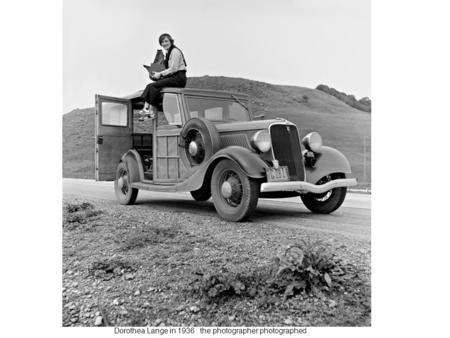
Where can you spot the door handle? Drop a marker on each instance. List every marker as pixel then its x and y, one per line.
pixel 99 139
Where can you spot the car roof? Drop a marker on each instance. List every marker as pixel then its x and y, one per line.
pixel 194 92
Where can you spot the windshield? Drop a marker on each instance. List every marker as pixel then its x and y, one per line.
pixel 218 110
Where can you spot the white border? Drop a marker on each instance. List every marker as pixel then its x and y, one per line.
pixel 410 95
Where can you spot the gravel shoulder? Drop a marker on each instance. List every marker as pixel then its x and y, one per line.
pixel 137 266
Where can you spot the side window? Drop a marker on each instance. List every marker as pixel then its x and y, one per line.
pixel 237 113
pixel 217 109
pixel 171 110
pixel 214 114
pixel 114 114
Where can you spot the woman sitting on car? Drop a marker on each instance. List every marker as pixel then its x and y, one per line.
pixel 173 76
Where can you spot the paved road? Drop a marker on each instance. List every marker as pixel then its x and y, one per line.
pixel 352 218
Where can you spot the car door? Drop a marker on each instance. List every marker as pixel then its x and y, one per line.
pixel 113 129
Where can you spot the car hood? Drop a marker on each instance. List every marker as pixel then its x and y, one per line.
pixel 248 125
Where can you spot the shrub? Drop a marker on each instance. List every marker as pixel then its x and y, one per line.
pixel 78 213
pixel 304 99
pixel 221 285
pixel 225 284
pixel 308 266
pixel 74 207
pixel 364 104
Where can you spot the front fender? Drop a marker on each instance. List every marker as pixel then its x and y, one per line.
pixel 329 161
pixel 250 163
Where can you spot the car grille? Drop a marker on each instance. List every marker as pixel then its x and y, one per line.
pixel 286 149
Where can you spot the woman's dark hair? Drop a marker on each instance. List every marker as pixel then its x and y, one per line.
pixel 169 51
pixel 163 36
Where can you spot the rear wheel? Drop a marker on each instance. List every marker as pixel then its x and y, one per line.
pixel 235 195
pixel 125 194
pixel 328 201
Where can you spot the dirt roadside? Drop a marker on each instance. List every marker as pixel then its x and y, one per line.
pixel 136 266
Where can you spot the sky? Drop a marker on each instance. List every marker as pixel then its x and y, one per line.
pixel 291 42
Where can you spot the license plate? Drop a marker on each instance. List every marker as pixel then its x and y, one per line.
pixel 280 174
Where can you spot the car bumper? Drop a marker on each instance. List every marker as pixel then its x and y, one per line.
pixel 305 187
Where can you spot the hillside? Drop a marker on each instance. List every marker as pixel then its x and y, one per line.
pixel 364 104
pixel 340 125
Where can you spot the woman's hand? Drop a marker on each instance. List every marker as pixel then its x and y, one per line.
pixel 155 76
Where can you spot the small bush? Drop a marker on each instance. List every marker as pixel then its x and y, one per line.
pixel 221 286
pixel 304 99
pixel 76 214
pixel 308 266
pixel 74 207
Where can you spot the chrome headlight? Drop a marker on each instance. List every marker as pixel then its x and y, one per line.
pixel 313 142
pixel 261 141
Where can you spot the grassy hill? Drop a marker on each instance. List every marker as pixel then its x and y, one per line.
pixel 340 125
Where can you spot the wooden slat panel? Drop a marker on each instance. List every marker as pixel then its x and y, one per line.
pixel 162 146
pixel 172 146
pixel 161 168
pixel 167 155
pixel 173 168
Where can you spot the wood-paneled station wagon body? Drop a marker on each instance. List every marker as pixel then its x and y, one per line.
pixel 210 144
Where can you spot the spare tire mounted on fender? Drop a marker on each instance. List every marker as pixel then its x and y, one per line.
pixel 200 140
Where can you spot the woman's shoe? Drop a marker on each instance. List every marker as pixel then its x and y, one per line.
pixel 144 112
pixel 144 115
pixel 147 113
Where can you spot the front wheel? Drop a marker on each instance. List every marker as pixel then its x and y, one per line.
pixel 234 194
pixel 125 194
pixel 326 202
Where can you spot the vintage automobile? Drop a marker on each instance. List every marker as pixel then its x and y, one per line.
pixel 209 143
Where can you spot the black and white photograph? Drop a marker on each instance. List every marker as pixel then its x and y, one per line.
pixel 212 168
pixel 216 164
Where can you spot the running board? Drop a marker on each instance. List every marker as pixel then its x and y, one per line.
pixel 305 187
pixel 154 187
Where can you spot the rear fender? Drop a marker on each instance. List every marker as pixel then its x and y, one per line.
pixel 133 161
pixel 329 161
